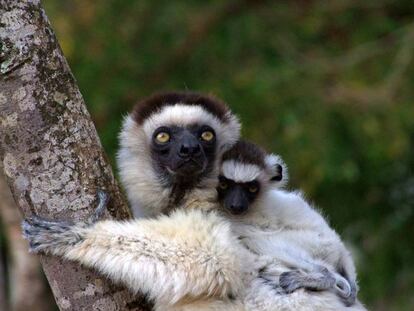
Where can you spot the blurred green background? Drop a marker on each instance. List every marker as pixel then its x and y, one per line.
pixel 326 84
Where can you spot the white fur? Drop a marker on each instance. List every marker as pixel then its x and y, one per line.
pixel 263 297
pixel 189 260
pixel 184 115
pixel 246 172
pixel 283 226
pixel 240 173
pixel 137 172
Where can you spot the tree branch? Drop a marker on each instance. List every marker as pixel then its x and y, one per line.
pixel 52 157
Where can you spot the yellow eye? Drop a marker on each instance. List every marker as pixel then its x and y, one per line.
pixel 162 137
pixel 207 135
pixel 223 185
pixel 253 189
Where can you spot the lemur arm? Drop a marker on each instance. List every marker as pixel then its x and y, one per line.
pixel 296 251
pixel 306 242
pixel 186 255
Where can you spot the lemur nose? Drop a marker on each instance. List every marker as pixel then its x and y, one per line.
pixel 188 150
pixel 238 209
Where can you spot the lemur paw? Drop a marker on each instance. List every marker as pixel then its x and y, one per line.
pixel 320 279
pixel 290 281
pixel 346 291
pixel 40 232
pixel 45 235
pixel 326 279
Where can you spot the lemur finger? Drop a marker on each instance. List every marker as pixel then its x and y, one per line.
pixel 290 281
pixel 26 227
pixel 349 298
pixel 32 232
pixel 46 224
pixel 342 287
pixel 103 199
pixel 322 269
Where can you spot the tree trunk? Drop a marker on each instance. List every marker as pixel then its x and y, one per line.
pixel 3 299
pixel 51 154
pixel 28 288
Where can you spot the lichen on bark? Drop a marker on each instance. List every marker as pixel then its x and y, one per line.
pixel 50 150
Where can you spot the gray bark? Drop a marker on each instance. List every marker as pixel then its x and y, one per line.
pixel 3 299
pixel 27 287
pixel 52 157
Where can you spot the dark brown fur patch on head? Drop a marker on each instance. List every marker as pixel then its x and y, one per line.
pixel 246 152
pixel 153 104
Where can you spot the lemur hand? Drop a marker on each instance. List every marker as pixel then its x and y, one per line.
pixel 345 289
pixel 320 279
pixel 44 235
pixel 103 199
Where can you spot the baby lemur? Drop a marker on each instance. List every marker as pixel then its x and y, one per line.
pixel 189 258
pixel 280 224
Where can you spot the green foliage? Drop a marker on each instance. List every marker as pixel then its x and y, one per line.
pixel 326 84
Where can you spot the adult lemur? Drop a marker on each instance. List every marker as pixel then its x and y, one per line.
pixel 282 225
pixel 190 259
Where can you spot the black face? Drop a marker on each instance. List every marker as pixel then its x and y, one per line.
pixel 184 153
pixel 236 197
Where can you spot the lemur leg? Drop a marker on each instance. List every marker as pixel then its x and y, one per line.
pixel 185 255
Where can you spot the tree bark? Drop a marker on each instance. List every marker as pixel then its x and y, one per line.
pixel 28 288
pixel 52 157
pixel 3 299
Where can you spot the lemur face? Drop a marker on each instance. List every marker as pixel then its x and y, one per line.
pixel 175 139
pixel 246 173
pixel 236 197
pixel 184 150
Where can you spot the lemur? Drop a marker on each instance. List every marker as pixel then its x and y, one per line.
pixel 188 258
pixel 280 224
pixel 184 256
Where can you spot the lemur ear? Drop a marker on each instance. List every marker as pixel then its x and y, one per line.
pixel 278 173
pixel 277 170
